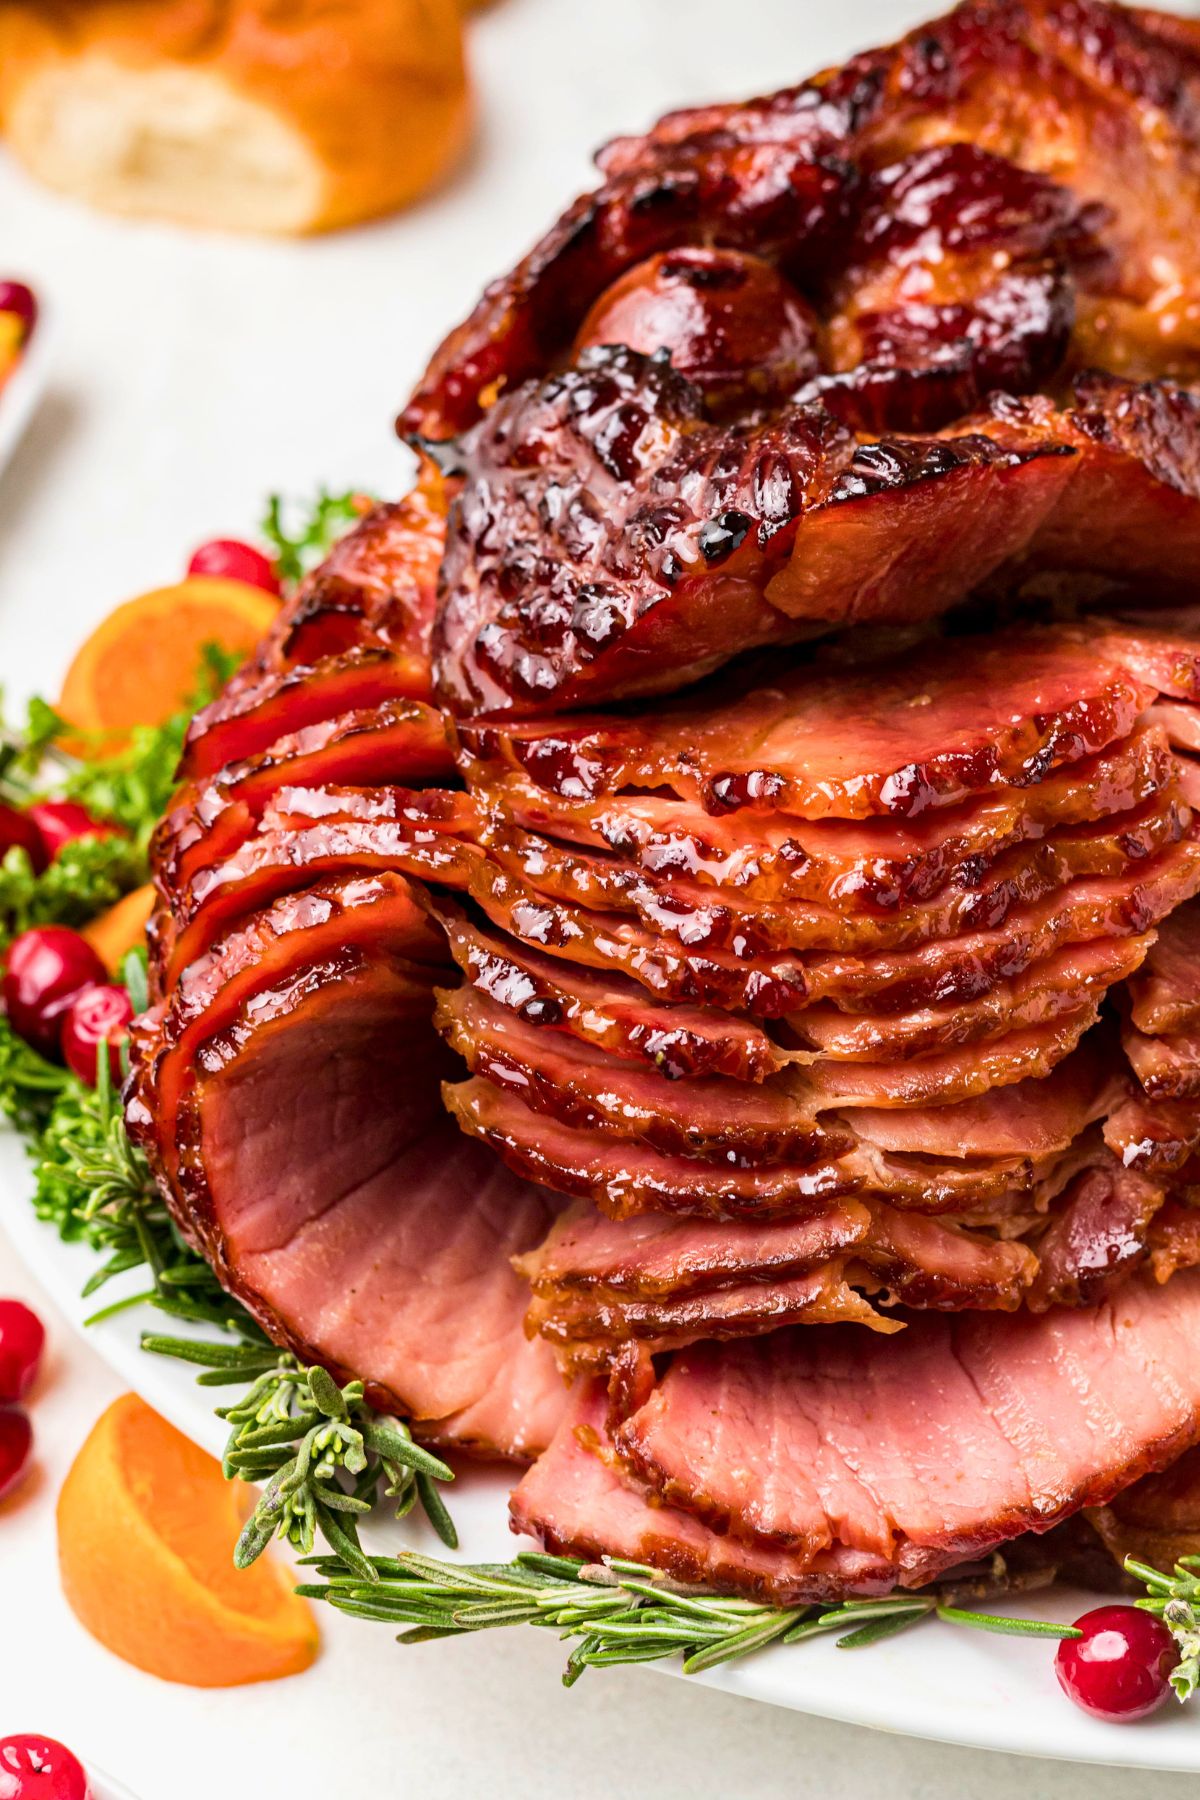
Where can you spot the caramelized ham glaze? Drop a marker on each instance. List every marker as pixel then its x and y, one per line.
pixel 818 1007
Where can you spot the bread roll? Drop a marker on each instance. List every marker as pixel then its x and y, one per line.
pixel 251 115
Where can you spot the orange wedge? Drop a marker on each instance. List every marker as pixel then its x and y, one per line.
pixel 113 934
pixel 146 1529
pixel 142 662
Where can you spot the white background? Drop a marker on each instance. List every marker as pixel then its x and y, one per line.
pixel 191 376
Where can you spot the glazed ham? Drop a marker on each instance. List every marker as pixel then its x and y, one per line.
pixel 677 958
pixel 811 1464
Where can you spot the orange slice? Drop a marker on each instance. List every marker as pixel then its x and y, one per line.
pixel 146 1529
pixel 142 662
pixel 113 934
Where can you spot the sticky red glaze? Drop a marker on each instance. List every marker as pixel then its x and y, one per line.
pixel 731 323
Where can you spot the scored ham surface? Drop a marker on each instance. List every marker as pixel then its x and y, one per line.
pixel 797 1050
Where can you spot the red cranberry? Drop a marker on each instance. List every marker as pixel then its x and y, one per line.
pixel 33 1767
pixel 15 297
pixel 19 830
pixel 235 561
pixel 97 1015
pixel 61 821
pixel 16 1441
pixel 21 1339
pixel 46 969
pixel 1118 1669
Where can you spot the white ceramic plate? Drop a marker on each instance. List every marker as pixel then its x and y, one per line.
pixel 25 386
pixel 959 1686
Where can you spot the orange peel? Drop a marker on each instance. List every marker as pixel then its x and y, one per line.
pixel 141 663
pixel 146 1529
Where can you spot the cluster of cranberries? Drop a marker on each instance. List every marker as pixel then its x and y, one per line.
pixel 33 1767
pixel 21 1341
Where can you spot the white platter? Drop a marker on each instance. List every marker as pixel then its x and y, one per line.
pixel 941 1682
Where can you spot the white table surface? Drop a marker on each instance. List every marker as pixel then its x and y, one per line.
pixel 193 375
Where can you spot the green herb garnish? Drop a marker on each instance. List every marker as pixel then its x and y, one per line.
pixel 306 537
pixel 618 1611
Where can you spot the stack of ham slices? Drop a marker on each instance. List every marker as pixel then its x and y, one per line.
pixel 679 961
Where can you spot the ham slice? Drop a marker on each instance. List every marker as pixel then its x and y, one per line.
pixel 1165 995
pixel 953 970
pixel 876 863
pixel 827 1441
pixel 893 736
pixel 1099 1235
pixel 700 917
pixel 253 713
pixel 607 1011
pixel 419 833
pixel 625 1176
pixel 599 1283
pixel 575 1502
pixel 1157 1136
pixel 335 1199
pixel 377 586
pixel 397 741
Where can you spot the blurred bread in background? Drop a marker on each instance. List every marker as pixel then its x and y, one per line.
pixel 253 115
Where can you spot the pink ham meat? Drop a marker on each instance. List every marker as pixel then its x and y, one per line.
pixel 728 1120
pixel 265 704
pixel 1165 994
pixel 1100 1233
pixel 1168 1067
pixel 317 1170
pixel 953 970
pixel 836 1443
pixel 889 737
pixel 608 1011
pixel 872 864
pixel 599 1283
pixel 702 918
pixel 1156 1136
pixel 625 1176
pixel 575 1502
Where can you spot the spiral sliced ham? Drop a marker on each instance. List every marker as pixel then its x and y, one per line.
pixel 796 1050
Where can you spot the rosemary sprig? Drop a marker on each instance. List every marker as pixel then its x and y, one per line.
pixel 325 1456
pixel 1175 1599
pixel 619 1611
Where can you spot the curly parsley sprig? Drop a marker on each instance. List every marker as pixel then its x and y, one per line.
pixel 300 543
